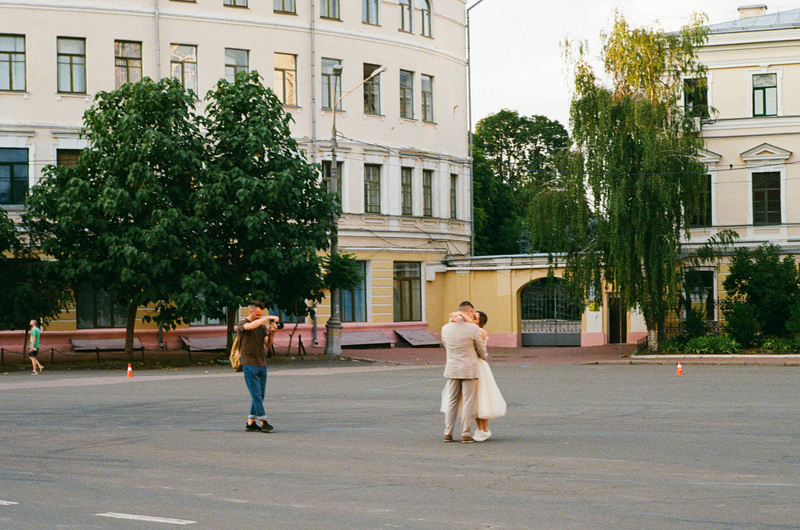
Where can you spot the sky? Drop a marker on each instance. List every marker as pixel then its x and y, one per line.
pixel 516 55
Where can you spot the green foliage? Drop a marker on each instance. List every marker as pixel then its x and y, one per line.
pixel 693 325
pixel 766 283
pixel 498 224
pixel 342 271
pixel 266 213
pixel 123 218
pixel 633 172
pixel 671 346
pixel 8 234
pixel 793 323
pixel 781 345
pixel 712 344
pixel 740 323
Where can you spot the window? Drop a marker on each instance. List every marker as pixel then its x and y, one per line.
pixel 284 6
pixel 183 65
pixel 235 3
pixel 695 97
pixel 701 215
pixel 71 65
pixel 425 14
pixel 427 193
pixel 331 84
pixel 372 188
pixel 326 175
pixel 95 309
pixel 127 62
pixel 453 196
pixel 406 94
pixel 407 291
pixel 427 97
pixel 12 62
pixel 236 61
pixel 767 198
pixel 353 303
pixel 765 95
pixel 329 9
pixel 369 12
pixel 285 78
pixel 372 90
pixel 205 320
pixel 406 190
pixel 405 15
pixel 13 175
pixel 699 288
pixel 67 157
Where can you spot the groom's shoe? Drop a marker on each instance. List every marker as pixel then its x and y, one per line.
pixel 467 439
pixel 448 438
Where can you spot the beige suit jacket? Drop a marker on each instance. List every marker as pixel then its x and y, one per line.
pixel 464 345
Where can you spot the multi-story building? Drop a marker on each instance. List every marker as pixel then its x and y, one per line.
pixel 750 117
pixel 402 146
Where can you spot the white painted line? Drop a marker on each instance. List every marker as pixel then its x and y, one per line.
pixel 8 503
pixel 147 518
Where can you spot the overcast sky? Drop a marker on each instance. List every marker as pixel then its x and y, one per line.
pixel 517 59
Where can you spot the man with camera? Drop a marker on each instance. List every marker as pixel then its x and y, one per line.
pixel 255 331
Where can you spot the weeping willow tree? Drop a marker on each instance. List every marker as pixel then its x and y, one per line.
pixel 619 207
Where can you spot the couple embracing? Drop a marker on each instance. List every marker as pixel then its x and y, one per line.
pixel 470 391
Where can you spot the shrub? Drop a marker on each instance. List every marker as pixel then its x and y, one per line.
pixel 740 323
pixel 780 345
pixel 693 325
pixel 669 346
pixel 712 344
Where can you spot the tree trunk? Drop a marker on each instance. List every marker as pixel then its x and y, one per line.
pixel 130 325
pixel 232 319
pixel 652 340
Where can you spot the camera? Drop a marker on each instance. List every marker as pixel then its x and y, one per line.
pixel 279 324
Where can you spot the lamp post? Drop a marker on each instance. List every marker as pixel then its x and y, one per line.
pixel 333 329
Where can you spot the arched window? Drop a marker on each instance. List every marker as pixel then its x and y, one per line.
pixel 425 13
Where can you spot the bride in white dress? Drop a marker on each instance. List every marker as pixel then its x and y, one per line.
pixel 490 403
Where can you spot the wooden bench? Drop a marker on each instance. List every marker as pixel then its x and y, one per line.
pixel 212 344
pixel 418 338
pixel 366 339
pixel 98 345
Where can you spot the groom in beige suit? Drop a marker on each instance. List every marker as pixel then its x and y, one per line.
pixel 464 344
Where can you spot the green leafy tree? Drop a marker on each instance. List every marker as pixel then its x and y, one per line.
pixel 498 223
pixel 634 172
pixel 123 218
pixel 267 214
pixel 766 283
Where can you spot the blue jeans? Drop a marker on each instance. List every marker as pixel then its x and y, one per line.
pixel 255 377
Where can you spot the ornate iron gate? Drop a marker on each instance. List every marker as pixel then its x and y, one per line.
pixel 550 317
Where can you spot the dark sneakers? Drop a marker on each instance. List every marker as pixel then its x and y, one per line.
pixel 266 427
pixel 252 427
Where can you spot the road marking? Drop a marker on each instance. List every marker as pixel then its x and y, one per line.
pixel 405 384
pixel 8 503
pixel 147 518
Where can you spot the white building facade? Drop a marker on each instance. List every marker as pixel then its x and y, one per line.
pixel 402 145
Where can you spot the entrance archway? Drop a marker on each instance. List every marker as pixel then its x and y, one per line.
pixel 550 316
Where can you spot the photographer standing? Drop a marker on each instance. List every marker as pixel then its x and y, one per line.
pixel 255 339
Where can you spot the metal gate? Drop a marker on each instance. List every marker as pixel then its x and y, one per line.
pixel 550 317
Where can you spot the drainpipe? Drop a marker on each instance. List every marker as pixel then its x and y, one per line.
pixel 313 88
pixel 158 43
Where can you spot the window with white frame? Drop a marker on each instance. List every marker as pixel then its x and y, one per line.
pixel 236 61
pixel 284 6
pixel 12 62
pixel 425 15
pixel 406 190
pixel 331 84
pixel 427 193
pixel 372 188
pixel 94 308
pixel 235 3
pixel 766 198
pixel 329 9
pixel 286 78
pixel 183 65
pixel 453 196
pixel 353 302
pixel 326 176
pixel 406 94
pixel 426 82
pixel 127 62
pixel 372 90
pixel 369 12
pixel 701 210
pixel 71 61
pixel 407 291
pixel 13 175
pixel 405 15
pixel 765 95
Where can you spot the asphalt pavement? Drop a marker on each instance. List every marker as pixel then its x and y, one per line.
pixel 359 445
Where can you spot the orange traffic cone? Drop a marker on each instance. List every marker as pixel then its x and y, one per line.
pixel 130 370
pixel 679 371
